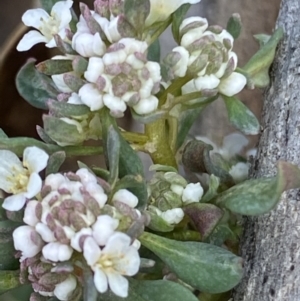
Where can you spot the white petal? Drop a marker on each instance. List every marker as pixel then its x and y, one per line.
pixel 129 263
pixel 86 176
pixel 154 69
pixel 161 10
pixel 59 82
pixel 55 180
pixel 132 45
pixel 91 251
pixel 76 238
pixel 146 105
pixel 100 281
pixel 75 99
pixel 30 39
pixel 192 193
pixel 91 97
pixel 29 214
pixel 239 172
pixel 181 66
pixel 126 197
pixel 111 30
pixel 118 284
pixel 61 10
pixel 173 216
pixel 97 192
pixel 56 251
pixel 115 57
pixel 23 242
pixel 233 84
pixel 14 202
pixel 103 229
pixel 87 44
pixel 65 289
pixel 46 234
pixel 114 103
pixel 146 88
pixel 189 87
pixel 206 82
pixel 35 159
pixel 52 42
pixel 34 185
pixel 34 17
pixel 190 20
pixel 117 243
pixel 94 70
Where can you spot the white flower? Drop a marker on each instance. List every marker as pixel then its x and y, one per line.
pixel 75 240
pixel 56 251
pixel 56 23
pixel 233 84
pixel 104 228
pixel 21 180
pixel 181 66
pixel 161 10
pixel 65 289
pixel 146 105
pixel 192 193
pixel 172 216
pixel 30 215
pixel 28 241
pixel 116 260
pixel 126 197
pixel 110 27
pixel 86 43
pixel 206 82
pixel 239 172
pixel 91 97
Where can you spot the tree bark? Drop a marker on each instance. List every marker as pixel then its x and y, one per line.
pixel 271 243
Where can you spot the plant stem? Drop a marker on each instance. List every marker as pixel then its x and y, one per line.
pixel 157 134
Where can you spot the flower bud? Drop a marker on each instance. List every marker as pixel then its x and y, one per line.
pixel 192 193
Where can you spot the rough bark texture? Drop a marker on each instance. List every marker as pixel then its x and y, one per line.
pixel 271 243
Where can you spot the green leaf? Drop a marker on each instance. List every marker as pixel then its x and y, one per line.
pixel 177 18
pixel 3 216
pixel 158 224
pixel 241 117
pixel 257 68
pixel 154 51
pixel 52 66
pixel 259 196
pixel 136 12
pixel 234 25
pixel 205 267
pixel 214 183
pixel 113 154
pixel 129 161
pixel 55 161
pixel 2 134
pixel 67 109
pixel 155 290
pixel 9 280
pixel 7 250
pixel 35 87
pixel 186 120
pixel 62 132
pixel 48 4
pixel 204 217
pixel 164 168
pixel 221 233
pixel 90 292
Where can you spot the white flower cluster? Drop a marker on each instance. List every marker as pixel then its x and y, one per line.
pixel 169 192
pixel 73 215
pixel 118 73
pixel 122 77
pixel 206 52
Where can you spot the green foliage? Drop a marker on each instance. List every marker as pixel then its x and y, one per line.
pixel 234 25
pixel 241 117
pixel 154 51
pixel 55 161
pixel 35 87
pixel 220 269
pixel 51 67
pixel 48 4
pixel 177 18
pixel 155 290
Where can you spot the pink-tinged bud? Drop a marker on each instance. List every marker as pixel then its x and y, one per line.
pixel 125 29
pixel 116 7
pixel 113 69
pixel 64 290
pixel 50 222
pixel 100 83
pixel 45 232
pixel 30 217
pixel 78 239
pixel 102 8
pixel 92 24
pixel 50 279
pixel 28 241
pixel 77 221
pixel 55 251
pixel 61 236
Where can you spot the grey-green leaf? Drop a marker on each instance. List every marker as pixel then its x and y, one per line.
pixel 9 280
pixel 177 18
pixel 55 161
pixel 259 196
pixel 154 51
pixel 113 153
pixel 241 117
pixel 203 266
pixel 35 87
pixel 48 4
pixel 155 290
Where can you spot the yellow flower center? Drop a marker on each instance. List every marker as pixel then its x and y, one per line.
pixel 18 180
pixel 50 27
